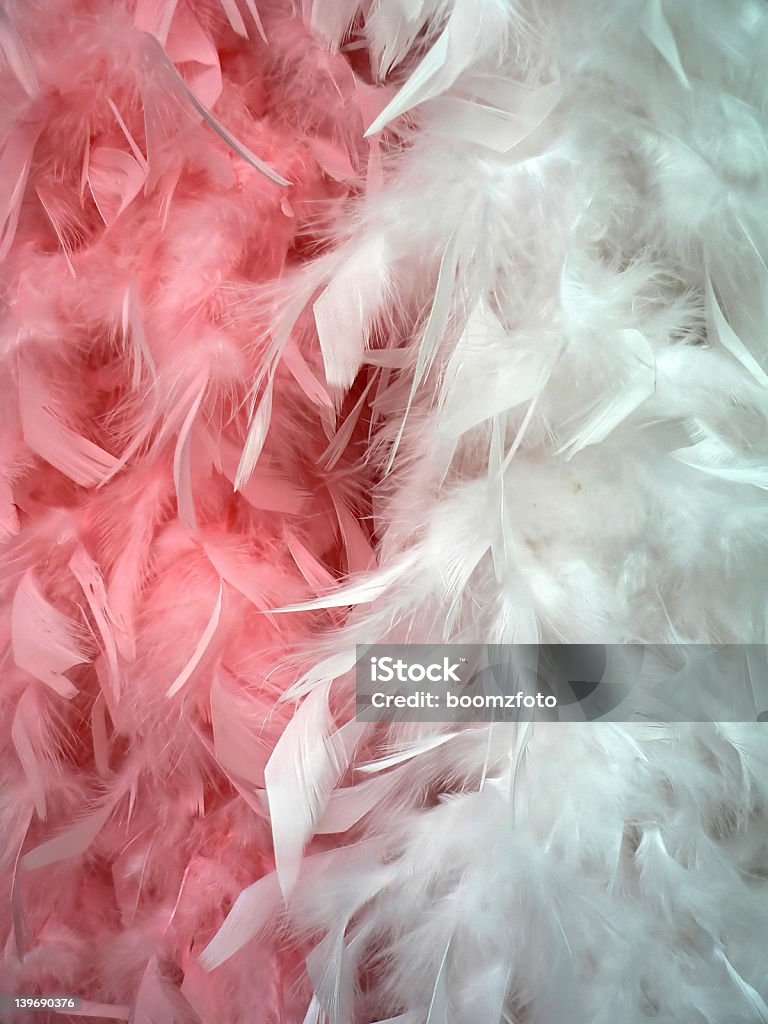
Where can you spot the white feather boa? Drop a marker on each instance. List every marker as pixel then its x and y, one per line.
pixel 574 230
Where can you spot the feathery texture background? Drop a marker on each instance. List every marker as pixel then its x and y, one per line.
pixel 427 320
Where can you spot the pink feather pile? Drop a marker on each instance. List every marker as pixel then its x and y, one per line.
pixel 353 321
pixel 144 246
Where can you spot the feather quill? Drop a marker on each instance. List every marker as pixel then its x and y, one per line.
pixel 178 88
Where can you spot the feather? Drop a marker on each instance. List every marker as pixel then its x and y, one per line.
pixel 15 162
pixel 155 17
pixel 348 805
pixel 84 169
pixel 345 310
pixel 339 443
pixel 200 648
pixel 360 556
pixel 313 571
pixel 9 518
pixel 176 411
pixel 135 338
pixel 178 88
pixel 304 768
pixel 433 74
pixel 115 179
pixel 257 435
pixel 262 390
pixel 238 723
pixel 66 222
pixel 237 569
pixel 16 56
pixel 322 672
pixel 296 364
pixel 182 467
pixel 75 456
pixel 711 456
pixel 656 27
pixel 266 489
pixel 100 736
pixel 751 996
pixel 416 749
pixel 87 574
pixel 475 388
pixel 132 143
pixel 158 1001
pixel 330 19
pixel 254 13
pixel 253 910
pixel 506 872
pixel 504 115
pixel 469 32
pixel 362 592
pixel 45 642
pixel 70 842
pixel 626 399
pixel 234 17
pixel 18 917
pixel 31 738
pixel 433 332
pixel 438 1004
pixel 190 45
pixel 720 329
pixel 314 1014
pixel 333 160
pixel 331 968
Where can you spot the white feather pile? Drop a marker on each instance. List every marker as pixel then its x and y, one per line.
pixel 568 247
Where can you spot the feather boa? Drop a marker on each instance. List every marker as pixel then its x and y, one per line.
pixel 436 320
